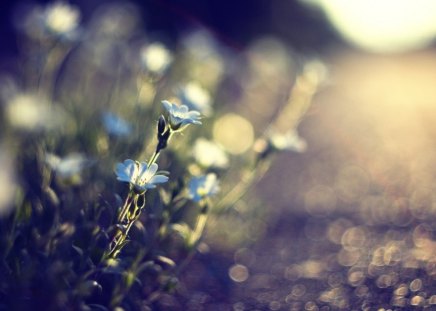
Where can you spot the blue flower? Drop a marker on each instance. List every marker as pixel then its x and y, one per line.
pixel 139 174
pixel 69 166
pixel 116 125
pixel 196 97
pixel 204 186
pixel 180 116
pixel 209 154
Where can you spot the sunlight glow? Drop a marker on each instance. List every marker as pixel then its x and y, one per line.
pixel 383 25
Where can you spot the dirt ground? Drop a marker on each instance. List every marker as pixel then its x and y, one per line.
pixel 350 223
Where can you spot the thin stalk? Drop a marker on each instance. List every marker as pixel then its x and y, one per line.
pixel 246 182
pixel 124 210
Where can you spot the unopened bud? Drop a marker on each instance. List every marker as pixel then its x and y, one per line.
pixel 163 140
pixel 161 125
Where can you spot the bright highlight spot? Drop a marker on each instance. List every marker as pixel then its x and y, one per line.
pixel 238 273
pixel 234 133
pixel 383 25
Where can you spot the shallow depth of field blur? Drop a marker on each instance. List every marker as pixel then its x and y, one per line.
pixel 336 98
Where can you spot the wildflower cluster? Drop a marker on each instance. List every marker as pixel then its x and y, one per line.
pixel 71 236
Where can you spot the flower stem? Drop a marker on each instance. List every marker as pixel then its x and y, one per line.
pixel 249 179
pixel 126 206
pixel 121 235
pixel 199 226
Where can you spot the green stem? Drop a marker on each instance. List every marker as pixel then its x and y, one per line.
pixel 126 206
pixel 154 157
pixel 249 179
pixel 121 236
pixel 199 227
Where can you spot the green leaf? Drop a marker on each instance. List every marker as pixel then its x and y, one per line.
pixel 168 262
pixel 182 229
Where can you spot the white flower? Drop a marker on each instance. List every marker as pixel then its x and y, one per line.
pixel 180 115
pixel 289 141
pixel 210 154
pixel 156 58
pixel 139 174
pixel 116 125
pixel 204 186
pixel 196 98
pixel 69 166
pixel 61 18
pixel 31 112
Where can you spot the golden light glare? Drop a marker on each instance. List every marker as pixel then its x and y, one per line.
pixel 383 25
pixel 234 133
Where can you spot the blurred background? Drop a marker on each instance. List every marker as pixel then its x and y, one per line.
pixel 350 222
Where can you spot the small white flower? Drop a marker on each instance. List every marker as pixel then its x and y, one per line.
pixel 210 154
pixel 32 112
pixel 290 141
pixel 139 174
pixel 61 18
pixel 116 125
pixel 69 166
pixel 156 58
pixel 204 186
pixel 180 116
pixel 196 98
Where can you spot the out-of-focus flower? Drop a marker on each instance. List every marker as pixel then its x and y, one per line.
pixel 210 154
pixel 61 18
pixel 7 183
pixel 196 98
pixel 116 20
pixel 69 166
pixel 116 125
pixel 32 112
pixel 156 58
pixel 205 57
pixel 204 186
pixel 290 141
pixel 275 141
pixel 180 116
pixel 139 174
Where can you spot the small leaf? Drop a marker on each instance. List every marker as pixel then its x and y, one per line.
pixel 166 261
pixel 97 307
pixel 78 250
pixel 182 229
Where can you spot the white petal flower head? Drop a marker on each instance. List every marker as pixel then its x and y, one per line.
pixel 209 154
pixel 204 186
pixel 68 166
pixel 61 18
pixel 31 112
pixel 290 141
pixel 116 125
pixel 196 97
pixel 156 58
pixel 139 174
pixel 180 116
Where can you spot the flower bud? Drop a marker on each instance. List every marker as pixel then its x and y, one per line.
pixel 161 125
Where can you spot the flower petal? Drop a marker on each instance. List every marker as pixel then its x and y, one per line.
pixel 158 179
pixel 153 169
pixel 183 109
pixel 168 106
pixel 126 171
